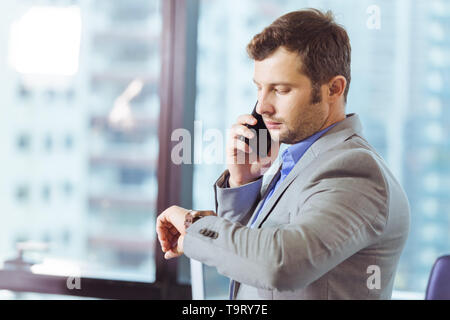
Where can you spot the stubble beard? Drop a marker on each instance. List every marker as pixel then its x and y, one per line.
pixel 306 126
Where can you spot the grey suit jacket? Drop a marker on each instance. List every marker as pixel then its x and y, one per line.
pixel 333 229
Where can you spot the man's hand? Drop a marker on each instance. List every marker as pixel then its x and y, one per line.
pixel 171 231
pixel 242 172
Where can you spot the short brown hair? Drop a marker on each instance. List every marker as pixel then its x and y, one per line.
pixel 322 44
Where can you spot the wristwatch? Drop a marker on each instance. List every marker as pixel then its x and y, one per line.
pixel 193 215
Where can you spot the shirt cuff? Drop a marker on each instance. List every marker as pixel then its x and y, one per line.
pixel 235 203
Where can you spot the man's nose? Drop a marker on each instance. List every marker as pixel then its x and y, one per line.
pixel 264 105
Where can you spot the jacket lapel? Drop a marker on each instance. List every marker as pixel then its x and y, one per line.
pixel 348 127
pixel 303 162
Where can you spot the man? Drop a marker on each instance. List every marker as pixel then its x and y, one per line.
pixel 333 221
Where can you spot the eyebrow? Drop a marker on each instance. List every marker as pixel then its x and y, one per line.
pixel 277 83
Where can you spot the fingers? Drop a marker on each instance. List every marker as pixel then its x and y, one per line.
pixel 238 130
pixel 239 145
pixel 168 240
pixel 171 254
pixel 165 243
pixel 177 248
pixel 246 119
pixel 161 232
pixel 166 232
pixel 173 231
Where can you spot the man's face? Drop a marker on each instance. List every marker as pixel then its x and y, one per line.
pixel 285 98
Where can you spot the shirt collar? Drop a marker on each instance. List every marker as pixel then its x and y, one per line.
pixel 294 152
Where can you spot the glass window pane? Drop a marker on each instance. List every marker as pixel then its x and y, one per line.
pixel 399 74
pixel 79 94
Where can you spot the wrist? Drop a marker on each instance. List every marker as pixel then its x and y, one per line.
pixel 234 184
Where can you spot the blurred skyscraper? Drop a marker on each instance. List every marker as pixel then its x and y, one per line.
pixel 80 150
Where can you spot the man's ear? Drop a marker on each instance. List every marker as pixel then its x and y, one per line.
pixel 336 87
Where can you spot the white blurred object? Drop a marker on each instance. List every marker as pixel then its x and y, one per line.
pixel 20 263
pixel 45 45
pixel 58 267
pixel 121 116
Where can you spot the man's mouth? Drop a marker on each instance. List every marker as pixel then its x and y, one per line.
pixel 272 124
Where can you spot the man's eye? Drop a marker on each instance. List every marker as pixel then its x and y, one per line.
pixel 282 91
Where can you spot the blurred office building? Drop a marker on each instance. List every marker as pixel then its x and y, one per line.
pixel 79 132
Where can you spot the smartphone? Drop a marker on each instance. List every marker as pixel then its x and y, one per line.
pixel 262 145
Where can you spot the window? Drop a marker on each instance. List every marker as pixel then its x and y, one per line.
pixel 88 74
pixel 68 141
pixel 399 72
pixel 57 68
pixel 48 142
pixel 23 141
pixel 67 188
pixel 46 193
pixel 22 194
pixel 23 92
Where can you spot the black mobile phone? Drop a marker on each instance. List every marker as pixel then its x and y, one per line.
pixel 262 145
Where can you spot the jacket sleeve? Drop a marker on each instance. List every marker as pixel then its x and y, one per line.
pixel 236 204
pixel 346 210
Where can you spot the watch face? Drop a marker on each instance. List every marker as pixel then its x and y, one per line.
pixel 197 214
pixel 193 215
